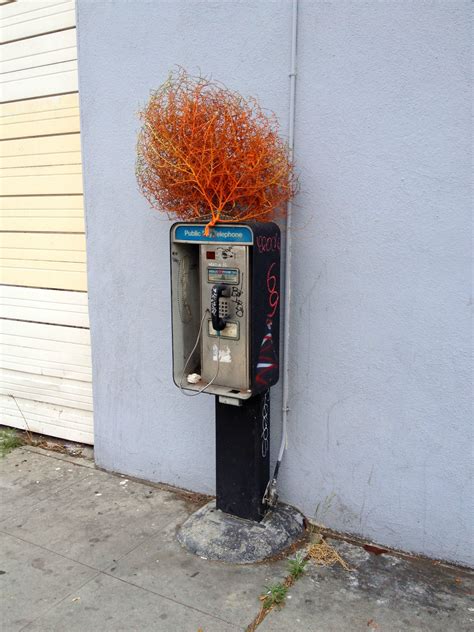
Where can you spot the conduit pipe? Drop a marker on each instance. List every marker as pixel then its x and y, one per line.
pixel 271 492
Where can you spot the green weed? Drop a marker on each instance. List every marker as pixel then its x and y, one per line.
pixel 9 440
pixel 297 565
pixel 274 596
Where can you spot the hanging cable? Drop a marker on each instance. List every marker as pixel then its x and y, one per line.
pixel 181 387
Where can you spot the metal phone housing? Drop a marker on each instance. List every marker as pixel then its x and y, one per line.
pixel 235 270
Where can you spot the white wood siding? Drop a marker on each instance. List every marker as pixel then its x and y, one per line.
pixel 36 58
pixel 32 18
pixel 45 364
pixel 44 306
pixel 57 421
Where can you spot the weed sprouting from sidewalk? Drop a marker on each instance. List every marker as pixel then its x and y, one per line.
pixel 319 552
pixel 297 565
pixel 9 440
pixel 275 595
pixel 26 437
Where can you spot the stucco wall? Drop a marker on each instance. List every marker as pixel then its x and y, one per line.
pixel 380 424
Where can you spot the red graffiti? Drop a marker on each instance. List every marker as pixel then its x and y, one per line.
pixel 268 244
pixel 273 294
pixel 267 362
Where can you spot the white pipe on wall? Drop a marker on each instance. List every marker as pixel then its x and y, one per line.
pixel 288 236
pixel 270 494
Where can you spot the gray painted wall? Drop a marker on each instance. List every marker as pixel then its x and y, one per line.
pixel 380 426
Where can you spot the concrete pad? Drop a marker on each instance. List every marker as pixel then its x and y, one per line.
pixel 216 535
pixel 27 478
pixel 225 590
pixel 33 580
pixel 109 605
pixel 98 519
pixel 383 593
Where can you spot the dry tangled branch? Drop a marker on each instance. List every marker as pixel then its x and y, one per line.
pixel 206 153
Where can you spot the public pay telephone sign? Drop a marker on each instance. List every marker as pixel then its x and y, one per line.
pixel 226 308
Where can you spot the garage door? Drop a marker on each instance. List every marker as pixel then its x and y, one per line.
pixel 45 365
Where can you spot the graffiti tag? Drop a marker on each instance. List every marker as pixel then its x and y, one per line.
pixel 268 244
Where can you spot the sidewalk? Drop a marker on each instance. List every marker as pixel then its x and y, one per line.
pixel 83 551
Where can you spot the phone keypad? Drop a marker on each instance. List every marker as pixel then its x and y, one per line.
pixel 223 308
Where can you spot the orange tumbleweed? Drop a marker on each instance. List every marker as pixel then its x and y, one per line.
pixel 206 153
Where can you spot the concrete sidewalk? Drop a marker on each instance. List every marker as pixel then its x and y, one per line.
pixel 84 550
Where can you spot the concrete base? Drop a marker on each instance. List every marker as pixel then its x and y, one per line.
pixel 215 535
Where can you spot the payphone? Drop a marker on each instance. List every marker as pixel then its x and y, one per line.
pixel 225 308
pixel 225 290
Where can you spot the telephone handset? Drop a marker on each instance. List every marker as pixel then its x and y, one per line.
pixel 219 290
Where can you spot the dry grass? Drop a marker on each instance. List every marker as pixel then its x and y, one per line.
pixel 324 554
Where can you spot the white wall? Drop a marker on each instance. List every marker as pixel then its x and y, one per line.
pixel 380 423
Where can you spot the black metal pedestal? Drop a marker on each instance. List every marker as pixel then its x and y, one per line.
pixel 242 472
pixel 243 456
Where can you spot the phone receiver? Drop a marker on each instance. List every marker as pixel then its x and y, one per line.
pixel 217 291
